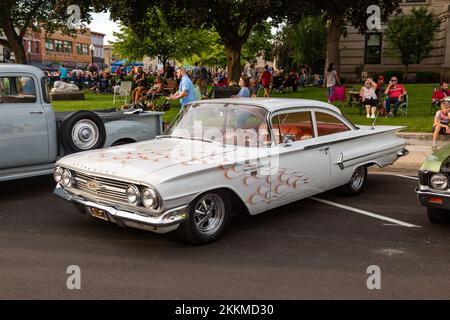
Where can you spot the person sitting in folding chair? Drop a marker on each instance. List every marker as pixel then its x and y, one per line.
pixel 369 97
pixel 439 95
pixel 394 92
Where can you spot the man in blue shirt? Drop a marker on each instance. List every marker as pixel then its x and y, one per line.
pixel 63 73
pixel 186 91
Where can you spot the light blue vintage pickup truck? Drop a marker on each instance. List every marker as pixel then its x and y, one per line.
pixel 33 136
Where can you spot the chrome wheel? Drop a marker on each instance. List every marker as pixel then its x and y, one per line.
pixel 85 134
pixel 358 178
pixel 209 214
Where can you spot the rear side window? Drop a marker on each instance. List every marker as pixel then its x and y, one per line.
pixel 45 90
pixel 17 90
pixel 328 124
pixel 295 125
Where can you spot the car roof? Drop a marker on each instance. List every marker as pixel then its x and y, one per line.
pixel 275 104
pixel 21 68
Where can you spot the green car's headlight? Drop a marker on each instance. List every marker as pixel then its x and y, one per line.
pixel 439 181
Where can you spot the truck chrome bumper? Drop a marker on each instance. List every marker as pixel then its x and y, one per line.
pixel 165 222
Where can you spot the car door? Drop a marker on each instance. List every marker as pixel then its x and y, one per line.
pixel 336 135
pixel 301 168
pixel 23 125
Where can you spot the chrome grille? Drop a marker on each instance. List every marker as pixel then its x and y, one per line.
pixel 101 187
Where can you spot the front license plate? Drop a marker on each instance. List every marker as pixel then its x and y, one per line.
pixel 100 214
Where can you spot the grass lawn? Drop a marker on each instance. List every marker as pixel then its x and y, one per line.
pixel 419 118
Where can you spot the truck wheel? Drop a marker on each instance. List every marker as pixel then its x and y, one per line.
pixel 357 182
pixel 82 131
pixel 438 215
pixel 208 216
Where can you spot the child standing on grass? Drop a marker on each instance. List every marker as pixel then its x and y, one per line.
pixel 441 122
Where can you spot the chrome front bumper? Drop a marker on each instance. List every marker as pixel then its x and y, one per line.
pixel 428 199
pixel 165 222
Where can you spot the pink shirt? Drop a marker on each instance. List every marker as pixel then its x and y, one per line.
pixel 442 117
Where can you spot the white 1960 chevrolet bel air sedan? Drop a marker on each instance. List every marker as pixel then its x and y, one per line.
pixel 224 156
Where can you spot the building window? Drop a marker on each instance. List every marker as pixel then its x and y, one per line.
pixel 79 49
pixel 85 49
pixel 59 46
pixel 37 47
pixel 49 45
pixel 68 47
pixel 82 49
pixel 373 48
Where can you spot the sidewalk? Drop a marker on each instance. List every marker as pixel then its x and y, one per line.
pixel 419 146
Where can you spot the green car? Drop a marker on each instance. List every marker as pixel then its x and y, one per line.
pixel 433 191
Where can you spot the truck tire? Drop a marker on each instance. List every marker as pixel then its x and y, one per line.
pixel 82 131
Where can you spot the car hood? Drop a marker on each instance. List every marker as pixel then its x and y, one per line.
pixel 136 161
pixel 434 162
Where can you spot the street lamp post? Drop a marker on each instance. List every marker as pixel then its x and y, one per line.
pixel 91 47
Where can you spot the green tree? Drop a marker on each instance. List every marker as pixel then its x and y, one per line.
pixel 303 43
pixel 410 36
pixel 341 13
pixel 18 16
pixel 258 44
pixel 157 39
pixel 233 20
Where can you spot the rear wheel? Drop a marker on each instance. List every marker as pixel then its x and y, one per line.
pixel 208 216
pixel 357 182
pixel 440 216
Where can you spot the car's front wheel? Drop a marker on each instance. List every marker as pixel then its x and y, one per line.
pixel 436 215
pixel 357 182
pixel 208 216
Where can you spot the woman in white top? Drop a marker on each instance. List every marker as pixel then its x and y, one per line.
pixel 331 79
pixel 369 97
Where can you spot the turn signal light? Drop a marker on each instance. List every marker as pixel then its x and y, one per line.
pixel 436 200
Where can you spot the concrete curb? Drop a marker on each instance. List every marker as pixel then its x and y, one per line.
pixel 422 138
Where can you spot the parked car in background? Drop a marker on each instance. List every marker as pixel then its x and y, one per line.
pixel 223 156
pixel 433 191
pixel 33 136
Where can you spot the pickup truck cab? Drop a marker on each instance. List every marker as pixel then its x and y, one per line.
pixel 33 137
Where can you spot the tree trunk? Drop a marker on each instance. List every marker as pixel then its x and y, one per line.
pixel 15 42
pixel 333 39
pixel 234 62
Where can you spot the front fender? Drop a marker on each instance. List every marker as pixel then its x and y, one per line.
pixel 130 130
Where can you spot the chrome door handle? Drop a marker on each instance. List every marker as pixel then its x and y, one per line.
pixel 36 112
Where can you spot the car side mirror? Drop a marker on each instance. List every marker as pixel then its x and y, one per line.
pixel 288 140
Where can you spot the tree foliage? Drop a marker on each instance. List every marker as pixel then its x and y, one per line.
pixel 302 43
pixel 233 20
pixel 410 36
pixel 157 38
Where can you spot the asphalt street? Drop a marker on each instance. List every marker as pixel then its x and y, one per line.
pixel 308 249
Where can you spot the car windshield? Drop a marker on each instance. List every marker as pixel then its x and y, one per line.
pixel 230 124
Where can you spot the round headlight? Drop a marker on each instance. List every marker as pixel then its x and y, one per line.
pixel 57 174
pixel 66 178
pixel 439 181
pixel 149 198
pixel 133 194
